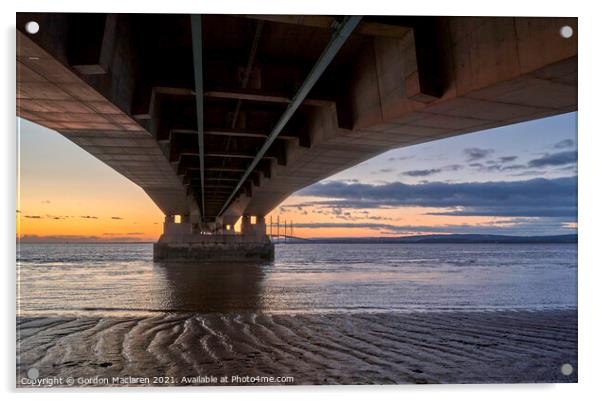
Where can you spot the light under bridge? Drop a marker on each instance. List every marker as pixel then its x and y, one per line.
pixel 222 117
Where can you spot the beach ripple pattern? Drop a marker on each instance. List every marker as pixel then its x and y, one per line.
pixel 360 348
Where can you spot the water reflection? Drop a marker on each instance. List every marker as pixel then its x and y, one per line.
pixel 206 287
pixel 118 279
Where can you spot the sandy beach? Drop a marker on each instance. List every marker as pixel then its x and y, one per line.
pixel 388 348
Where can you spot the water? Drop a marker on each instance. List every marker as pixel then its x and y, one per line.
pixel 121 279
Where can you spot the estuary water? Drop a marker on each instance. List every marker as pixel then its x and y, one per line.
pixel 122 280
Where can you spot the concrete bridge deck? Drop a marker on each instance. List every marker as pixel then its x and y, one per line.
pixel 131 89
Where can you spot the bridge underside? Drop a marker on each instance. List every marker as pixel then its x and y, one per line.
pixel 123 87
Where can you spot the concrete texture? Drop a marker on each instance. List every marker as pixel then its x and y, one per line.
pixel 200 248
pixel 180 243
pixel 54 96
pixel 213 252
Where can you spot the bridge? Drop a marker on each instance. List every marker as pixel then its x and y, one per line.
pixel 221 117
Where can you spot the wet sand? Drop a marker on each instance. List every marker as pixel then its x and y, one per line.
pixel 368 348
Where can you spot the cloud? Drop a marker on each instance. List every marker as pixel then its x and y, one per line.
pixel 88 217
pixel 48 216
pixel 497 165
pixel 555 159
pixel 117 218
pixel 477 153
pixel 422 173
pixel 529 173
pixel 432 171
pixel 399 158
pixel 122 234
pixel 548 160
pixel 46 201
pixel 453 167
pixel 45 239
pixel 345 213
pixel 56 217
pixel 513 167
pixel 507 159
pixel 567 143
pixel 373 226
pixel 383 171
pixel 516 227
pixel 517 212
pixel 535 197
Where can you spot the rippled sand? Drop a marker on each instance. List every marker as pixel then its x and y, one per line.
pixel 471 347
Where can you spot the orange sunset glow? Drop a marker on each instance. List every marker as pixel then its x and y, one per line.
pixel 65 194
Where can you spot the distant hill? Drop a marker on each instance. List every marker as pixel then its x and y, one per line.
pixel 447 239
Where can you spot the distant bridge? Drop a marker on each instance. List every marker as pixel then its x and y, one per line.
pixel 286 238
pixel 219 117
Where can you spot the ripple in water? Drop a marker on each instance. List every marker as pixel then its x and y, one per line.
pixel 121 279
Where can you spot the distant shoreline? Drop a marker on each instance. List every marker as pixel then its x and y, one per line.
pixel 415 239
pixel 449 239
pixel 83 242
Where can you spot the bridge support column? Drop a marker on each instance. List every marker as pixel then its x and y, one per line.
pixel 246 228
pixel 260 229
pixel 180 243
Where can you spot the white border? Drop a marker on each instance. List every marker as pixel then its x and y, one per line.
pixel 590 145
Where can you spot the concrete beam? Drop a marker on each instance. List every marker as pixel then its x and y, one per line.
pixel 250 95
pixel 101 64
pixel 226 169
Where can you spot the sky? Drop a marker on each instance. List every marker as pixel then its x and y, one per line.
pixel 514 180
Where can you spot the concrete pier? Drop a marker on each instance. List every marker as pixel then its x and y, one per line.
pixel 181 242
